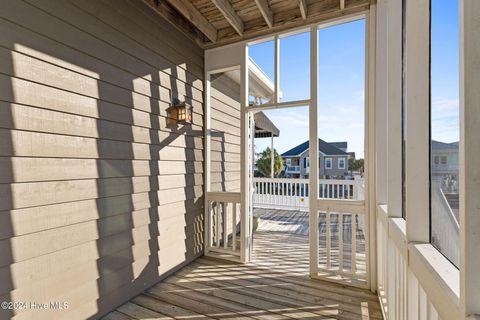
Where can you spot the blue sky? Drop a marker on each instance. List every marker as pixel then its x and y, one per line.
pixel 445 71
pixel 341 81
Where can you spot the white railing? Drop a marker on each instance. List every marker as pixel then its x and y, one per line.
pixel 407 286
pixel 223 233
pixel 281 193
pixel 342 246
pixel 294 169
pixel 445 226
pixel 284 193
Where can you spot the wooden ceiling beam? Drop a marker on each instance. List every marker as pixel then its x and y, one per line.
pixel 195 17
pixel 229 13
pixel 314 16
pixel 303 9
pixel 342 4
pixel 265 11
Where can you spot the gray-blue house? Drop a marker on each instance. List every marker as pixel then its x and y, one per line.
pixel 333 160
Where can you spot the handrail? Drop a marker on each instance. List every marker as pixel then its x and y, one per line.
pixel 220 196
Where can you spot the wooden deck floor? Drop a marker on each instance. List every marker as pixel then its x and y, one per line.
pixel 275 286
pixel 285 221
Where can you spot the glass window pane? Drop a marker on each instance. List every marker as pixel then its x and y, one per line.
pixel 341 117
pixel 261 72
pixel 445 128
pixel 295 67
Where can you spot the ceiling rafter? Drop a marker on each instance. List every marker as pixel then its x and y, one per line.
pixel 202 20
pixel 229 13
pixel 265 11
pixel 314 16
pixel 303 9
pixel 195 17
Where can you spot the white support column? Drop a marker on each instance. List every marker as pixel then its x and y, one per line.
pixel 381 103
pixel 277 70
pixel 244 168
pixel 394 108
pixel 418 120
pixel 272 155
pixel 313 152
pixel 207 164
pixel 469 157
pixel 370 135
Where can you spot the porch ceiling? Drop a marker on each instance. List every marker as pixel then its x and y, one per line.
pixel 218 22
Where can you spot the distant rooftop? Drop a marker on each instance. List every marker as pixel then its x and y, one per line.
pixel 324 147
pixel 442 145
pixel 342 145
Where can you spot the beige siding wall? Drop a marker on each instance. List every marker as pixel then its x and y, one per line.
pixel 99 198
pixel 225 125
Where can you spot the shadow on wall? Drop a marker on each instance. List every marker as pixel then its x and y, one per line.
pixel 125 221
pixel 7 176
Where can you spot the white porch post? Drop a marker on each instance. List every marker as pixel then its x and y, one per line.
pixel 245 163
pixel 370 135
pixel 272 154
pixel 207 164
pixel 313 153
pixel 394 108
pixel 469 157
pixel 418 119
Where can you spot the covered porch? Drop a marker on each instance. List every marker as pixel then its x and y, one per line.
pixel 127 155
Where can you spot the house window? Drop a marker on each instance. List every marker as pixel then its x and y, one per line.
pixel 436 160
pixel 328 163
pixel 289 162
pixel 443 160
pixel 341 163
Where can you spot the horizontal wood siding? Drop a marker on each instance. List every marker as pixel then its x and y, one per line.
pixel 225 125
pixel 100 198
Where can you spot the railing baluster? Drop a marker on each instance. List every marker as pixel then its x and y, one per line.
pixel 340 241
pixel 225 226
pixel 234 227
pixel 217 225
pixel 354 243
pixel 328 238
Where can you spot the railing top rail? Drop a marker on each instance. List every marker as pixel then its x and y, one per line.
pixel 219 196
pixel 295 180
pixel 446 205
pixel 341 205
pixel 285 180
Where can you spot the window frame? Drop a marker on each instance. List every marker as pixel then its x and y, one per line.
pixel 342 160
pixel 331 163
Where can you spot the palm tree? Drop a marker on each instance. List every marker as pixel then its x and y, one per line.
pixel 264 163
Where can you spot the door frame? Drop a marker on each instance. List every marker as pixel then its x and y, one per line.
pixel 237 55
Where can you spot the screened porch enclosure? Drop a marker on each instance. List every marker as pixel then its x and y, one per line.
pixel 231 159
pixel 340 247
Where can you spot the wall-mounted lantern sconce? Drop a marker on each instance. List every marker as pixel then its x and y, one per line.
pixel 179 112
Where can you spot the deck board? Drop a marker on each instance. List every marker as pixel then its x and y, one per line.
pixel 275 286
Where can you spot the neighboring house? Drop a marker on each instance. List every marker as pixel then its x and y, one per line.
pixel 445 164
pixel 333 160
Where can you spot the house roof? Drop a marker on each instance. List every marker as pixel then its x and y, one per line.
pixel 264 127
pixel 260 85
pixel 340 144
pixel 323 146
pixel 442 145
